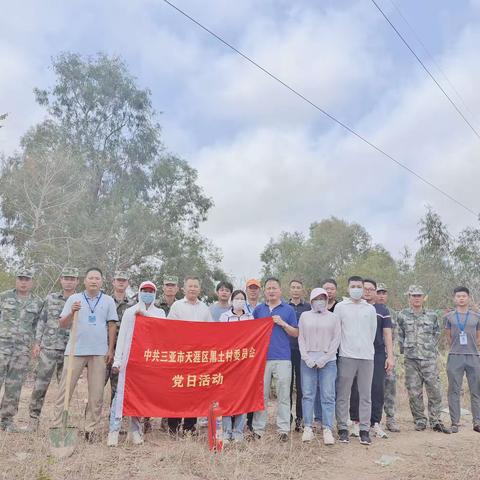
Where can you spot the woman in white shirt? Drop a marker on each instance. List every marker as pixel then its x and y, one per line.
pixel 145 305
pixel 318 339
pixel 233 426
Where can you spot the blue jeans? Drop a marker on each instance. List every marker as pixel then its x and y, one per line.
pixel 116 423
pixel 324 378
pixel 233 427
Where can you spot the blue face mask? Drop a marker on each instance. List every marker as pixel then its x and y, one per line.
pixel 147 297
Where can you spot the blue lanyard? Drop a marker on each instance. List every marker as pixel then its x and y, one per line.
pixel 92 310
pixel 461 326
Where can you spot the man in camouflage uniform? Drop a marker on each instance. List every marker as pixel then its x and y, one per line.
pixel 50 343
pixel 418 335
pixel 19 314
pixel 390 378
pixel 170 290
pixel 120 284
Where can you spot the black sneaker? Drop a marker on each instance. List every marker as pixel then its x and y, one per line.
pixel 476 428
pixel 283 437
pixel 440 427
pixel 343 436
pixel 90 437
pixel 298 425
pixel 365 438
pixel 454 428
pixel 147 425
pixel 420 426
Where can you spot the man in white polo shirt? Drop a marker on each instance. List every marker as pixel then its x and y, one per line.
pixel 92 349
pixel 190 308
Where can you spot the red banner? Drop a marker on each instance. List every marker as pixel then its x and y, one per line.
pixel 178 368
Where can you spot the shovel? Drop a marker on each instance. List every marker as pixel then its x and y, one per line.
pixel 63 440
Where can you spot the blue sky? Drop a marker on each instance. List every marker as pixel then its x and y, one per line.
pixel 269 161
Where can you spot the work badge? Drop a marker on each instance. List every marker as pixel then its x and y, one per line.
pixel 463 338
pixel 92 319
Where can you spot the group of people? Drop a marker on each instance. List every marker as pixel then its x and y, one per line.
pixel 333 361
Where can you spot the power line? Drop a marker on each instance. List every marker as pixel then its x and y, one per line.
pixel 324 112
pixel 426 69
pixel 432 59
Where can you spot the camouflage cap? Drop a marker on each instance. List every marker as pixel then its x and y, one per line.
pixel 25 272
pixel 170 279
pixel 121 275
pixel 69 272
pixel 415 290
pixel 381 287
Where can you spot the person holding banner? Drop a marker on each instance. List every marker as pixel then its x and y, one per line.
pixel 146 307
pixel 189 308
pixel 318 340
pixel 279 364
pixel 233 426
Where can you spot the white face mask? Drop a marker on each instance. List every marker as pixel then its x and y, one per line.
pixel 319 306
pixel 356 293
pixel 238 304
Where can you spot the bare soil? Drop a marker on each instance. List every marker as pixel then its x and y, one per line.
pixel 421 455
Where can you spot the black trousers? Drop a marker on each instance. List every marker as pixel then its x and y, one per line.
pixel 297 380
pixel 378 391
pixel 188 424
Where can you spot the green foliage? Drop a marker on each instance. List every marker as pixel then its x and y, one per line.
pixel 93 184
pixel 338 249
pixel 3 117
pixel 331 245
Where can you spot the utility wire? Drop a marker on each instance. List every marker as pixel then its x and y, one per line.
pixel 324 112
pixel 426 69
pixel 432 59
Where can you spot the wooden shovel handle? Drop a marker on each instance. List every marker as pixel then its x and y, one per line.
pixel 71 355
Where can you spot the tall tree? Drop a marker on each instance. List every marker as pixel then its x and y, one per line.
pixel 93 184
pixel 433 261
pixel 331 244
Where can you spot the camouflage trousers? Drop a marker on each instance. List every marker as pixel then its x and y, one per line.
pixel 49 360
pixel 417 374
pixel 113 377
pixel 13 368
pixel 390 394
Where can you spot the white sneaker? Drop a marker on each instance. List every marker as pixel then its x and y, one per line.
pixel 202 422
pixel 135 438
pixel 355 431
pixel 328 437
pixel 308 435
pixel 112 440
pixel 377 430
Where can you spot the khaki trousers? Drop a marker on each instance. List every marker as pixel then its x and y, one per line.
pixel 96 368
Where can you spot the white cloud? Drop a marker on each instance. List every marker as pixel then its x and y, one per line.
pixel 270 161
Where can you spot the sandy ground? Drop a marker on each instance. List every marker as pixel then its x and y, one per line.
pixel 420 455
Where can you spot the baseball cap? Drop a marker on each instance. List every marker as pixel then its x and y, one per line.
pixel 69 272
pixel 381 287
pixel 121 275
pixel 316 292
pixel 25 272
pixel 147 284
pixel 170 279
pixel 253 281
pixel 415 290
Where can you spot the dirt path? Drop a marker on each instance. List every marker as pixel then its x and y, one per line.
pixel 421 455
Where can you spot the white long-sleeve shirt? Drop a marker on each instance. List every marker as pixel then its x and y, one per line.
pixel 125 334
pixel 359 325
